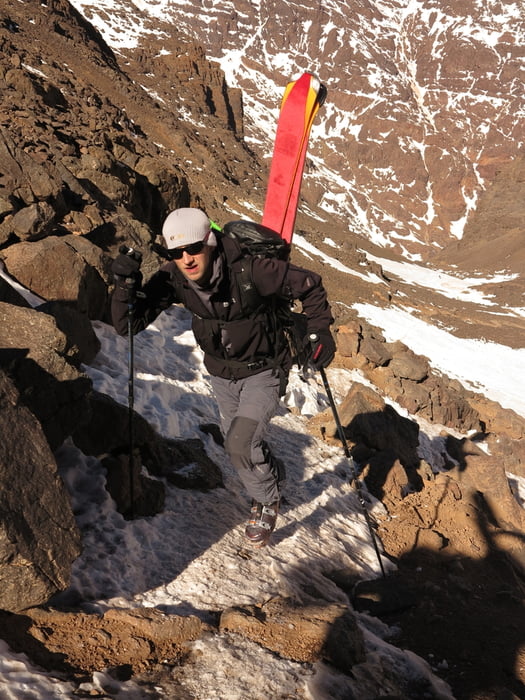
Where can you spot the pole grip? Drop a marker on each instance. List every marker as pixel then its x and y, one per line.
pixel 131 252
pixel 314 338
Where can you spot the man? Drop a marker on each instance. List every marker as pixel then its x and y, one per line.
pixel 245 350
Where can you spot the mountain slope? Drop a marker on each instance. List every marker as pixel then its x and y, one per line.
pixel 425 99
pixel 414 156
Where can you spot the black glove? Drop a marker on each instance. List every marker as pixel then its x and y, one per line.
pixel 126 266
pixel 323 348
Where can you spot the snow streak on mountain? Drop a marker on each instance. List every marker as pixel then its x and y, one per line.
pixel 425 97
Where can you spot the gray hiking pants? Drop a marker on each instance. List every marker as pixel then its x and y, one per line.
pixel 246 407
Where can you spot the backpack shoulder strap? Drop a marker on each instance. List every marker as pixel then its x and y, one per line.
pixel 240 264
pixel 250 298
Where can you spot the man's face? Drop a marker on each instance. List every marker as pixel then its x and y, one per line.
pixel 195 266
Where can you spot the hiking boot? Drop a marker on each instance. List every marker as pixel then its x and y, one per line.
pixel 261 523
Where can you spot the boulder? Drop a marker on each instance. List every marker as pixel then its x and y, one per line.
pixel 305 633
pixel 34 221
pixel 485 475
pixel 450 405
pixel 62 268
pixel 385 478
pixel 39 539
pixel 26 181
pixel 415 397
pixel 81 643
pixel 510 452
pixel 46 377
pixel 375 351
pixel 498 420
pixel 347 336
pixel 83 343
pixel 408 365
pixel 367 419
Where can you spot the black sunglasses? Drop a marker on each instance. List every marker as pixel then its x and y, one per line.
pixel 177 253
pixel 191 249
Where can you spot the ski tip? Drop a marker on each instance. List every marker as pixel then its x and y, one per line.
pixel 314 83
pixel 312 78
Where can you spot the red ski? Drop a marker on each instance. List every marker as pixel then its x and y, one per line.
pixel 301 101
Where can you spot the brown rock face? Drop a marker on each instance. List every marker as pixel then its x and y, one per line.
pixel 39 539
pixel 91 150
pixel 422 103
pixel 48 379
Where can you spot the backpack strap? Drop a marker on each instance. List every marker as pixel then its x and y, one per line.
pixel 240 264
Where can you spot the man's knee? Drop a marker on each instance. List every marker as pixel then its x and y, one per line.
pixel 239 438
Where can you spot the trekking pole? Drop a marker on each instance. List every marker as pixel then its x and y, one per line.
pixel 132 296
pixel 346 449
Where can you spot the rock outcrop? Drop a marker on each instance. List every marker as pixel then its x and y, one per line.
pixel 39 539
pixel 80 643
pixel 475 509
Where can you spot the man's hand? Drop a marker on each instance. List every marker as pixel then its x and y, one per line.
pixel 126 266
pixel 323 348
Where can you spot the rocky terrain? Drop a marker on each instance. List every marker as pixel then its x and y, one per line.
pixel 98 146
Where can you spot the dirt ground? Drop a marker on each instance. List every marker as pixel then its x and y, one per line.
pixel 458 605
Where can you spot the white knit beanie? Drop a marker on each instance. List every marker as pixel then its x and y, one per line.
pixel 185 226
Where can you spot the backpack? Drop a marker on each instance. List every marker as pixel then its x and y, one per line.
pixel 255 240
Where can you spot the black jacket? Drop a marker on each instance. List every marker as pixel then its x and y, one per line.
pixel 236 341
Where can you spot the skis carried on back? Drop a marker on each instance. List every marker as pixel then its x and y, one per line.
pixel 301 101
pixel 273 236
